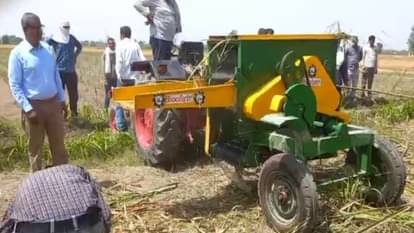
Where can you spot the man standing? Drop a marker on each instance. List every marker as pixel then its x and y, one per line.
pixel 67 49
pixel 164 19
pixel 127 52
pixel 109 59
pixel 341 66
pixel 36 85
pixel 353 55
pixel 369 65
pixel 61 199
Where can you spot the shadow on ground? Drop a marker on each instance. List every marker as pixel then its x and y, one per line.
pixel 229 199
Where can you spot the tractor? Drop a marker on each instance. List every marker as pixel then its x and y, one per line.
pixel 267 102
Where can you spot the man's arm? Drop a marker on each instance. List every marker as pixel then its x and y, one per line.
pixel 364 53
pixel 140 53
pixel 16 82
pixel 118 63
pixel 59 86
pixel 142 6
pixel 78 46
pixel 360 54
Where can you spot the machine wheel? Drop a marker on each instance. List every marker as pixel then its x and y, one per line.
pixel 159 135
pixel 389 177
pixel 287 194
pixel 390 172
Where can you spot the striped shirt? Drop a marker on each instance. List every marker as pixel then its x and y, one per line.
pixel 55 194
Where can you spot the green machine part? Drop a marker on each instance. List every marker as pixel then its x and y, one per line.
pixel 253 61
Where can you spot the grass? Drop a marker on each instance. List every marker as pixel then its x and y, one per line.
pixel 4 58
pixel 96 144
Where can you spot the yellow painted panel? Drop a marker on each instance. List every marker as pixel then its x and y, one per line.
pixel 129 93
pixel 207 134
pixel 260 103
pixel 277 103
pixel 327 96
pixel 223 95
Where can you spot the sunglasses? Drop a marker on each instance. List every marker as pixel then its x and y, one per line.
pixel 66 27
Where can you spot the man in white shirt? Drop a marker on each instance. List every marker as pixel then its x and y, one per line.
pixel 369 65
pixel 127 52
pixel 164 19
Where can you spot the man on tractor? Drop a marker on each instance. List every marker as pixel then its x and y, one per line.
pixel 164 19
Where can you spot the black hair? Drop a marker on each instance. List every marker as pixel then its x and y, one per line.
pixel 126 31
pixel 110 39
pixel 26 17
pixel 261 31
pixel 371 37
pixel 270 31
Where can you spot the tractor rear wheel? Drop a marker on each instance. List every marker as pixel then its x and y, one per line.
pixel 159 135
pixel 287 194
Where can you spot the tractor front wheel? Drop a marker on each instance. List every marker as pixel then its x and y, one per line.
pixel 288 194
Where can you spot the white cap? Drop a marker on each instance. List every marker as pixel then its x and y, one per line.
pixel 66 24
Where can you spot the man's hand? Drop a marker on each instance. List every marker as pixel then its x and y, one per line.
pixel 32 117
pixel 150 20
pixel 64 110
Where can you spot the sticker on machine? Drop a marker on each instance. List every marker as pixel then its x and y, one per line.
pixel 314 82
pixel 179 98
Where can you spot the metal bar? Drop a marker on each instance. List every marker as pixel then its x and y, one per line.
pixel 325 183
pixel 376 91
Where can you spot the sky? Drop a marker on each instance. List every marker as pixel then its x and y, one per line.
pixel 390 21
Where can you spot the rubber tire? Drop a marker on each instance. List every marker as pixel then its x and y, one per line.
pixel 385 153
pixel 391 159
pixel 304 188
pixel 168 139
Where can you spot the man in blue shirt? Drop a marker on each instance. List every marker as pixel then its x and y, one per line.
pixel 67 49
pixel 36 85
pixel 353 55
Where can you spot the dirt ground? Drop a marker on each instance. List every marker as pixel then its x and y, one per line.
pixel 8 107
pixel 396 63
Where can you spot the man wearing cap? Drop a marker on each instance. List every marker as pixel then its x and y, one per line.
pixel 67 49
pixel 164 19
pixel 36 85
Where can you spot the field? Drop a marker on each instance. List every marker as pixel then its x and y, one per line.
pixel 200 197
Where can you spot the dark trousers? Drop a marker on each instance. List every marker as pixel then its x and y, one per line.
pixel 86 228
pixel 368 79
pixel 109 84
pixel 70 80
pixel 161 49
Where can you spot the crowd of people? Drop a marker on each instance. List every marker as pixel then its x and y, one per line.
pixel 352 59
pixel 63 197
